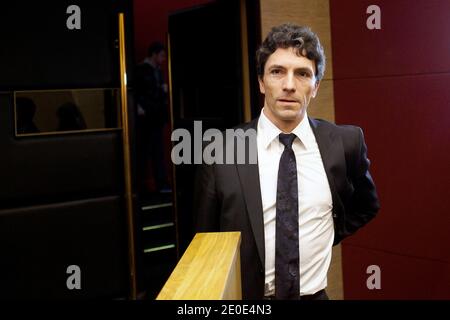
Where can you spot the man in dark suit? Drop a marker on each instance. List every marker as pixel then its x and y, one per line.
pixel 152 101
pixel 332 189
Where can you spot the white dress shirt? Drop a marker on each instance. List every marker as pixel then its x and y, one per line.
pixel 316 230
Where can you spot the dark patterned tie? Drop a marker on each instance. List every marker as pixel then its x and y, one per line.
pixel 287 281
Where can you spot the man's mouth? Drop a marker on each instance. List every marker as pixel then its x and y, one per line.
pixel 288 100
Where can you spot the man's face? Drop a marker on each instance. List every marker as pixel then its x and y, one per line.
pixel 161 57
pixel 288 84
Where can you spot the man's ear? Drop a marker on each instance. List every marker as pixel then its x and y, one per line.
pixel 316 88
pixel 262 88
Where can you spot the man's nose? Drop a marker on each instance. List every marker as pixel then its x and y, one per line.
pixel 289 83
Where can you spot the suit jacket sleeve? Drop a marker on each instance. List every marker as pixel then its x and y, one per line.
pixel 205 200
pixel 364 204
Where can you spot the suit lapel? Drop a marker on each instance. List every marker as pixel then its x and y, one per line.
pixel 249 178
pixel 332 152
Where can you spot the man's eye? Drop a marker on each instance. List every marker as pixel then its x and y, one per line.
pixel 304 74
pixel 275 71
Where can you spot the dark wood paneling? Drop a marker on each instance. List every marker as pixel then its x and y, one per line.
pixel 38 244
pixel 52 168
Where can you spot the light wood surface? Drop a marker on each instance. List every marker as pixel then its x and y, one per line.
pixel 312 13
pixel 322 106
pixel 335 288
pixel 208 270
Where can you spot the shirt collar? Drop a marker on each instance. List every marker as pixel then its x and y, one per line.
pixel 270 132
pixel 147 60
pixel 267 129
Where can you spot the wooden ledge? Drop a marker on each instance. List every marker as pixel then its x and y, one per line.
pixel 208 270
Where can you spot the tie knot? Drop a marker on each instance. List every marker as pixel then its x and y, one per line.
pixel 286 139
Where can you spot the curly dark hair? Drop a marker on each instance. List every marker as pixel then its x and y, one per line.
pixel 288 35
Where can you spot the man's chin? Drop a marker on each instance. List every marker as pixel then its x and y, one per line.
pixel 290 115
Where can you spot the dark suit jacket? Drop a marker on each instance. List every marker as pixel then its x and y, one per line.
pixel 150 95
pixel 228 197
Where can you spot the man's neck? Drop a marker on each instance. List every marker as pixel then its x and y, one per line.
pixel 285 126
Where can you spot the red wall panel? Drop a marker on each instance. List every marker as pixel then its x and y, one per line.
pixel 413 39
pixel 394 83
pixel 401 277
pixel 406 121
pixel 151 21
